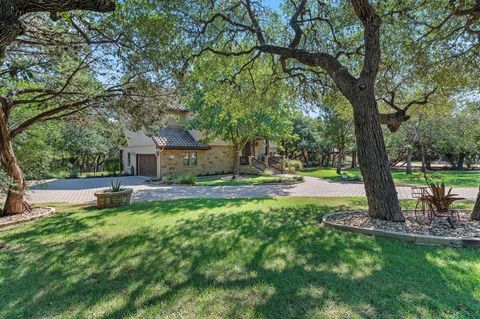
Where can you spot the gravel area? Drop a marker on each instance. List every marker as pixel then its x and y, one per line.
pixel 464 227
pixel 35 213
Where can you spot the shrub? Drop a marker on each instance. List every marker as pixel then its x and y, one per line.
pixel 187 179
pixel 291 170
pixel 267 172
pixel 74 173
pixel 296 164
pixel 298 178
pixel 112 165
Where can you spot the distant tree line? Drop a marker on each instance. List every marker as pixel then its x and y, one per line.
pixel 72 145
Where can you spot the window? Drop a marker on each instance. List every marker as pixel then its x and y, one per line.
pixel 193 158
pixel 129 159
pixel 190 159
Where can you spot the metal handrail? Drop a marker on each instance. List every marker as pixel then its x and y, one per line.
pixel 275 164
pixel 258 164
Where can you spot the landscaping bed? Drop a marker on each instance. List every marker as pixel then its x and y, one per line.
pixel 227 180
pixel 465 229
pixel 35 213
pixel 248 180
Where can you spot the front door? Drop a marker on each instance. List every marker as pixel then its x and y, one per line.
pixel 248 149
pixel 147 165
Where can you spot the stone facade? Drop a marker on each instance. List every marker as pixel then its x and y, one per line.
pixel 216 160
pixel 106 199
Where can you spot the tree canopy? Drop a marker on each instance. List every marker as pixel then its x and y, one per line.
pixel 238 108
pixel 405 64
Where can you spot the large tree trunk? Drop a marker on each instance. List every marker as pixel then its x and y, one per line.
pixel 372 156
pixel 476 209
pixel 14 203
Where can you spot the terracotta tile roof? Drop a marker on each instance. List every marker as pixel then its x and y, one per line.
pixel 177 138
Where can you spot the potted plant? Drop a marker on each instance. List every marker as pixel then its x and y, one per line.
pixel 115 196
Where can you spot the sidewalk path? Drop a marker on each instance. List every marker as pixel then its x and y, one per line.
pixel 82 190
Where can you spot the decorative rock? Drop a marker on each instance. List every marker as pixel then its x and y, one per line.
pixel 441 223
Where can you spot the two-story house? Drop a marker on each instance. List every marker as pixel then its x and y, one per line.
pixel 178 150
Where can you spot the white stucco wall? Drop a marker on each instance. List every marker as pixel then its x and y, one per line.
pixel 138 143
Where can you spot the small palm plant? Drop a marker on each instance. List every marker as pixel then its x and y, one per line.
pixel 116 186
pixel 439 199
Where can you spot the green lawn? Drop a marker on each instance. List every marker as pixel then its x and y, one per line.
pixel 451 178
pixel 329 173
pixel 216 180
pixel 205 258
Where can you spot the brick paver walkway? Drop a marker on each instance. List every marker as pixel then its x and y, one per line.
pixel 82 190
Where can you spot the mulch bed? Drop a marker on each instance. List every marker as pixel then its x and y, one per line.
pixel 463 227
pixel 35 213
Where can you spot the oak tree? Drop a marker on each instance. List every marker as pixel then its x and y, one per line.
pixel 322 39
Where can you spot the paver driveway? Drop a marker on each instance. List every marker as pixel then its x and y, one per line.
pixel 82 190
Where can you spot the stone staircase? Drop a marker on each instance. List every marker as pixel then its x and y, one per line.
pixel 251 165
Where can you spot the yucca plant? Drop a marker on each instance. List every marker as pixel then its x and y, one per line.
pixel 116 186
pixel 439 199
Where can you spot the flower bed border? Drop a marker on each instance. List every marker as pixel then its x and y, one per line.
pixel 410 238
pixel 29 219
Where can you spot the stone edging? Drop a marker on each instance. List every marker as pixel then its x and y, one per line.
pixel 410 238
pixel 17 222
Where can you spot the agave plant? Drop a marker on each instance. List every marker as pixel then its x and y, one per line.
pixel 116 186
pixel 439 199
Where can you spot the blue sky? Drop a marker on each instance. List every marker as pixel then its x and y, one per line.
pixel 272 3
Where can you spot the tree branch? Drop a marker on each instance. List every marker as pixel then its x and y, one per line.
pixel 12 10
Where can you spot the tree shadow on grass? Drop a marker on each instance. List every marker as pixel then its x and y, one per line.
pixel 276 263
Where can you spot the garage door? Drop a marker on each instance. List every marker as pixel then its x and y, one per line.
pixel 147 165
